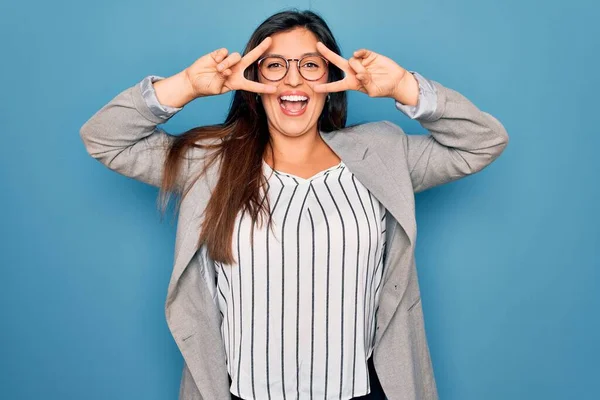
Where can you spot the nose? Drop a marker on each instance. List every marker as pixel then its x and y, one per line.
pixel 293 77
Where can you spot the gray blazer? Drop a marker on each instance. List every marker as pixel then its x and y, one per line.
pixel 462 140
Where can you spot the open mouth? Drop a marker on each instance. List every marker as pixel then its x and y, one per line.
pixel 293 104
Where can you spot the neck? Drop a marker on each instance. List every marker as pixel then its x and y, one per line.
pixel 296 150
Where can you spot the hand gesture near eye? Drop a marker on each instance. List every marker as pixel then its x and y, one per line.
pixel 218 73
pixel 371 73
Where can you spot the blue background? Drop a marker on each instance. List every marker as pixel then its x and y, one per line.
pixel 508 258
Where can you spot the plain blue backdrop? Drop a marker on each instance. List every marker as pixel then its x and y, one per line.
pixel 508 258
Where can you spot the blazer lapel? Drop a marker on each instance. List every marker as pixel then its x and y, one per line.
pixel 371 171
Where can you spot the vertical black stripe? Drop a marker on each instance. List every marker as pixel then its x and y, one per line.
pixel 234 320
pixel 312 321
pixel 267 253
pixel 383 254
pixel 230 333
pixel 283 289
pixel 327 292
pixel 355 281
pixel 374 274
pixel 225 321
pixel 224 274
pixel 381 257
pixel 239 258
pixel 221 293
pixel 298 291
pixel 343 281
pixel 380 263
pixel 366 332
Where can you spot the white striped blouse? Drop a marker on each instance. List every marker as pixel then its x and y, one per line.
pixel 299 305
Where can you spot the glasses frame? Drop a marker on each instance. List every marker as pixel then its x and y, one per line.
pixel 287 66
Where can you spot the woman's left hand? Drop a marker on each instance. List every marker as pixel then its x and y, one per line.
pixel 371 73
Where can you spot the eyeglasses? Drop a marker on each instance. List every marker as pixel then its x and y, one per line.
pixel 275 68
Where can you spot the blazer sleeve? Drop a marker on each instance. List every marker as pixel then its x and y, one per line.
pixel 123 135
pixel 426 103
pixel 461 140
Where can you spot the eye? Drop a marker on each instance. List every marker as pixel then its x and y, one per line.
pixel 274 65
pixel 310 64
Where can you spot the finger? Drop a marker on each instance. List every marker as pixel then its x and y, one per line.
pixel 362 75
pixel 366 57
pixel 219 54
pixel 229 62
pixel 256 52
pixel 338 86
pixel 256 87
pixel 357 66
pixel 333 57
pixel 362 53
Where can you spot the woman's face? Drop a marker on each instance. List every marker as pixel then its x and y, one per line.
pixel 286 120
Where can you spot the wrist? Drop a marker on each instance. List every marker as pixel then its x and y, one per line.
pixel 174 91
pixel 407 90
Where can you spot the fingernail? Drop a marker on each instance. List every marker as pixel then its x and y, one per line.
pixel 220 67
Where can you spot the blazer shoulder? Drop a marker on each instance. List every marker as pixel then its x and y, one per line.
pixel 377 127
pixel 384 133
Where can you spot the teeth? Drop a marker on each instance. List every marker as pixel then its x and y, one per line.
pixel 294 98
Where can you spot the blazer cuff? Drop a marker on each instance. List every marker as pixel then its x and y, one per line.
pixel 161 111
pixel 427 103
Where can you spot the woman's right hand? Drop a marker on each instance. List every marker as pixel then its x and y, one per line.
pixel 218 73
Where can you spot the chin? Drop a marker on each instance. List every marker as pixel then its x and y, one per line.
pixel 294 126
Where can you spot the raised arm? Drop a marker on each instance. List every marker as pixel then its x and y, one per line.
pixel 461 139
pixel 123 135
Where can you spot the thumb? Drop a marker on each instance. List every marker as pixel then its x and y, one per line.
pixel 363 78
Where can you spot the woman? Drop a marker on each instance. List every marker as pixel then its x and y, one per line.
pixel 323 300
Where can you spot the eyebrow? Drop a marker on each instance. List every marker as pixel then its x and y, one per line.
pixel 302 55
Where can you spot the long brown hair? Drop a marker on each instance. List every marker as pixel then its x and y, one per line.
pixel 241 141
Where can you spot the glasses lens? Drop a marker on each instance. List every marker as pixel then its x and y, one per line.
pixel 311 68
pixel 273 68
